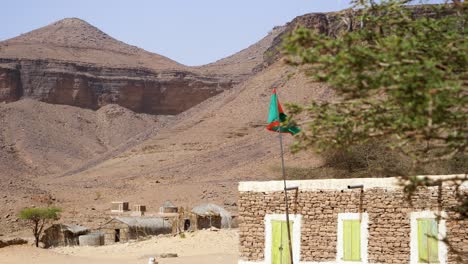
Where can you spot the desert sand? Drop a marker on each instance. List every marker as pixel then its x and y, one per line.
pixel 201 247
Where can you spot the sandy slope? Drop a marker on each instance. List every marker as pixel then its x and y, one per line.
pixel 52 138
pixel 202 247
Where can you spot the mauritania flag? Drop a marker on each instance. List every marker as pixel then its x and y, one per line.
pixel 277 116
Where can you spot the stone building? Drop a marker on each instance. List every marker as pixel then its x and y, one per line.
pixel 123 229
pixel 59 235
pixel 331 223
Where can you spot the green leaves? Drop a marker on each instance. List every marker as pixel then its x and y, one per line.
pixel 36 214
pixel 38 217
pixel 401 76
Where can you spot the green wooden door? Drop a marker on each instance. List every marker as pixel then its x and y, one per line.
pixel 428 244
pixel 352 240
pixel 280 244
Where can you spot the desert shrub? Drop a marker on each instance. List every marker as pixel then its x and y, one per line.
pixel 370 159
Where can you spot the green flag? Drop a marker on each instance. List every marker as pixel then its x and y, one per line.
pixel 277 116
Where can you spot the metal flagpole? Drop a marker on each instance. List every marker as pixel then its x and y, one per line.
pixel 284 182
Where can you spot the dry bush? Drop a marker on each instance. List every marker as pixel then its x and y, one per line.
pixel 372 160
pixel 368 160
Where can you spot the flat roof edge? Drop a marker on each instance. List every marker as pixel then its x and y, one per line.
pixel 333 184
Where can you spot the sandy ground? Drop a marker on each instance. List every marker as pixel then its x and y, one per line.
pixel 202 247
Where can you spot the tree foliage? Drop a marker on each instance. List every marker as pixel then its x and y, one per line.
pixel 400 77
pixel 38 218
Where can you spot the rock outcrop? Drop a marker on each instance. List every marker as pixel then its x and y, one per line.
pixel 93 86
pixel 10 84
pixel 333 24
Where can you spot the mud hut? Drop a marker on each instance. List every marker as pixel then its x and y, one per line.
pixel 59 235
pixel 211 215
pixel 123 229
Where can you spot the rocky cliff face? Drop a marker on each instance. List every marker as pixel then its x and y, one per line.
pixel 10 84
pixel 92 86
pixel 331 24
pixel 73 63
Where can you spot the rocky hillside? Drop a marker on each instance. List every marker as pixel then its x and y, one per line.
pixel 195 157
pixel 39 139
pixel 200 157
pixel 247 61
pixel 331 24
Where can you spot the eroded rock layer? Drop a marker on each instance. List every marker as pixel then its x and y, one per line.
pixel 91 86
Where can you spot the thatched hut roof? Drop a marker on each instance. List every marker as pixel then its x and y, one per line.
pixel 75 229
pixel 209 209
pixel 72 228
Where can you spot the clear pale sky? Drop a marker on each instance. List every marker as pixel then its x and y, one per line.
pixel 192 32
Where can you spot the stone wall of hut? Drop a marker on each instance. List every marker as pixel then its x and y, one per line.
pixel 139 232
pixel 55 236
pixel 109 231
pixel 388 213
pixel 205 222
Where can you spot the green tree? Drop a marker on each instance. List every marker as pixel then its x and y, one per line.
pixel 400 77
pixel 38 218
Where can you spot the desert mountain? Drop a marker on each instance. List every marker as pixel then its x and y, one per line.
pixel 84 159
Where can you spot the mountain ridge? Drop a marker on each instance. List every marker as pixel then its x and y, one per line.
pixel 72 62
pixel 68 39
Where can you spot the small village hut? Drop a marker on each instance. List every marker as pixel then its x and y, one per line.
pixel 211 215
pixel 59 235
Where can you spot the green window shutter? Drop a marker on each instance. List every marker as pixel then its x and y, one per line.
pixel 422 240
pixel 351 240
pixel 428 244
pixel 280 244
pixel 356 240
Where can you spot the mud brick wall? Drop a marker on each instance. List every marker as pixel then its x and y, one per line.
pixel 388 227
pixel 109 231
